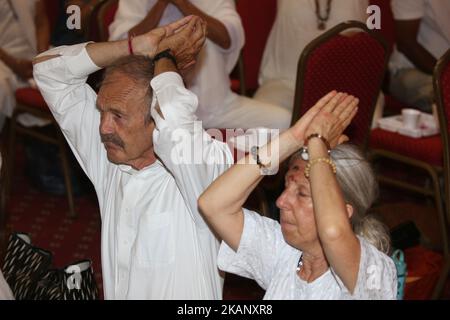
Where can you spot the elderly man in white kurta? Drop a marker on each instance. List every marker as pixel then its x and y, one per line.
pixel 155 244
pixel 219 107
pixel 17 48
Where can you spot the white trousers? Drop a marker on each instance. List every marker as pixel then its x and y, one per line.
pixel 246 113
pixel 277 92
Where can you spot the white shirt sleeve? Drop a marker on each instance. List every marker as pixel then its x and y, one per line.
pixel 188 152
pixel 62 82
pixel 377 275
pixel 129 14
pixel 408 9
pixel 256 258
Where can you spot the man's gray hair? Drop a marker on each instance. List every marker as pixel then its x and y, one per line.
pixel 138 68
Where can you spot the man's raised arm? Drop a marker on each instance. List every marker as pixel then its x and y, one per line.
pixel 187 151
pixel 61 75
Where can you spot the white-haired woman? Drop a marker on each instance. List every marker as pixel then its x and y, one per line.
pixel 325 247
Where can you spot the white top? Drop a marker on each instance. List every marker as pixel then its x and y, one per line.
pixel 295 27
pixel 214 64
pixel 155 244
pixel 5 291
pixel 434 32
pixel 264 256
pixel 12 38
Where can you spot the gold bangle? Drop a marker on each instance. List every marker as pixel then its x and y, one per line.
pixel 319 160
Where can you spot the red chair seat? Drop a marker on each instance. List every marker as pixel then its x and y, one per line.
pixel 31 98
pixel 425 149
pixel 235 85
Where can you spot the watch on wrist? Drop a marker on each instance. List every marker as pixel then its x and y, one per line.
pixel 166 54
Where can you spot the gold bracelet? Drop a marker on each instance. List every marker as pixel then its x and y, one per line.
pixel 319 160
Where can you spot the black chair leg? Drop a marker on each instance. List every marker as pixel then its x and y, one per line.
pixel 66 172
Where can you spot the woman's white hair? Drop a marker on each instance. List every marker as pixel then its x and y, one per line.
pixel 360 189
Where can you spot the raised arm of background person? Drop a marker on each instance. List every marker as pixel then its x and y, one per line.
pixel 151 20
pixel 217 32
pixel 42 23
pixel 222 202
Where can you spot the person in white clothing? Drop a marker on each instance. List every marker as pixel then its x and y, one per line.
pixel 297 23
pixel 20 27
pixel 219 107
pixel 5 290
pixel 325 246
pixel 155 244
pixel 423 36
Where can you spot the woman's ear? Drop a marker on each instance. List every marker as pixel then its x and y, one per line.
pixel 349 210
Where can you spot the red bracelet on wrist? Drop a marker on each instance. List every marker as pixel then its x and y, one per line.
pixel 130 46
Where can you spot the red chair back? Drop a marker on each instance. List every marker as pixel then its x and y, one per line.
pixel 101 19
pixel 52 10
pixel 257 19
pixel 354 63
pixel 442 94
pixel 387 21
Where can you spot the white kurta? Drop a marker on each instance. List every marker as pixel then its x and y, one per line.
pixel 219 107
pixel 294 28
pixel 155 244
pixel 264 255
pixel 434 31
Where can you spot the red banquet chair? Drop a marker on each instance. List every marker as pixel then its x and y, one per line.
pixel 29 100
pixel 430 155
pixel 344 60
pixel 257 20
pixel 442 93
pixel 104 17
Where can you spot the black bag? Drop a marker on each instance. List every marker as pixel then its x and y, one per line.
pixel 24 265
pixel 27 270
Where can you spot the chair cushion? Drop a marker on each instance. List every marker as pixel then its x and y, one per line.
pixel 235 85
pixel 425 149
pixel 31 98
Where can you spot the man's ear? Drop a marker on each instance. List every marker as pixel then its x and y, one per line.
pixel 349 210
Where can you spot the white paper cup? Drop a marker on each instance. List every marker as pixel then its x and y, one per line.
pixel 410 118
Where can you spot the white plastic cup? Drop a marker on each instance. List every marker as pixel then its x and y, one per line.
pixel 411 118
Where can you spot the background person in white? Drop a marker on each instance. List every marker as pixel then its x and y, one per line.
pixel 219 107
pixel 423 36
pixel 21 23
pixel 155 245
pixel 296 25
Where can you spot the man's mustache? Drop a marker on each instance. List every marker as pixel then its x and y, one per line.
pixel 112 138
